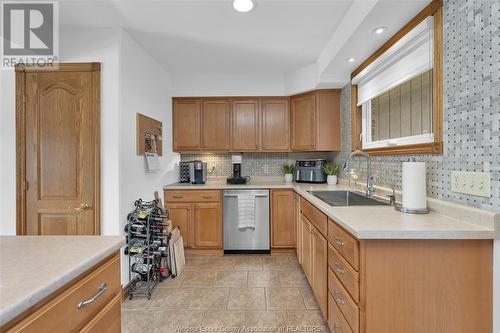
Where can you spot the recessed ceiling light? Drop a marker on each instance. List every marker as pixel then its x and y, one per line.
pixel 351 59
pixel 379 30
pixel 243 6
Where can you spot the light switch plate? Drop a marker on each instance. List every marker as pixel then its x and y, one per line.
pixel 473 183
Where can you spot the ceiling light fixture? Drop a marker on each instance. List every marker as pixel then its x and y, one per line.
pixel 351 59
pixel 243 6
pixel 379 30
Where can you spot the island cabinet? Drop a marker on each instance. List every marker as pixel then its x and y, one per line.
pixel 315 121
pixel 282 219
pixel 89 303
pixel 198 215
pixel 395 285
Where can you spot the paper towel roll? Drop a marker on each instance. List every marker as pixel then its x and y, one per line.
pixel 414 188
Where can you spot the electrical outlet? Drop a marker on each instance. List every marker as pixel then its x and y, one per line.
pixel 473 183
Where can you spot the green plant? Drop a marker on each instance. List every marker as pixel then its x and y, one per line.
pixel 331 169
pixel 288 168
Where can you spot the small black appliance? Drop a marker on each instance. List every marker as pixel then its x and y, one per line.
pixel 237 178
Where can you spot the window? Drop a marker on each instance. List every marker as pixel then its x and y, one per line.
pixel 396 93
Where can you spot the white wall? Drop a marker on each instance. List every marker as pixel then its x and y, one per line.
pixel 7 152
pixel 145 88
pixel 217 84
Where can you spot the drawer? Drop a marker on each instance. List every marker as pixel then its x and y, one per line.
pixel 313 214
pixel 62 314
pixel 336 320
pixel 108 320
pixel 192 196
pixel 345 303
pixel 345 273
pixel 346 244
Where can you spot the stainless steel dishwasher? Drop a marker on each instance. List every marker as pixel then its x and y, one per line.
pixel 247 239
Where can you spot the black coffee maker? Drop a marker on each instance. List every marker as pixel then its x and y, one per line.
pixel 236 178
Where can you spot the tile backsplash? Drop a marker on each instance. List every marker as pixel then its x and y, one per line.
pixel 253 164
pixel 471 107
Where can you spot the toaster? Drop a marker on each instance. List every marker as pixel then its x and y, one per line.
pixel 310 171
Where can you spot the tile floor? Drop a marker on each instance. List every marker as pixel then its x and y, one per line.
pixel 229 294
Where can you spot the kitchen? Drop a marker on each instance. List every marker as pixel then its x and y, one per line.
pixel 401 108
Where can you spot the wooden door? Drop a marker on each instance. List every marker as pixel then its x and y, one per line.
pixel 58 150
pixel 181 215
pixel 306 247
pixel 245 125
pixel 208 225
pixel 186 124
pixel 320 269
pixel 303 122
pixel 282 219
pixel 275 119
pixel 215 124
pixel 298 229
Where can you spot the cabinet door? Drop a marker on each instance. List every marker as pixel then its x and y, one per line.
pixel 181 216
pixel 303 122
pixel 275 119
pixel 298 228
pixel 306 247
pixel 207 225
pixel 187 125
pixel 282 220
pixel 245 125
pixel 215 122
pixel 320 269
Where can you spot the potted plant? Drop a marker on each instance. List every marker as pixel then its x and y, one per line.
pixel 288 171
pixel 331 170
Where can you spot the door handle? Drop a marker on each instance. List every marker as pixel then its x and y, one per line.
pixel 101 291
pixel 83 208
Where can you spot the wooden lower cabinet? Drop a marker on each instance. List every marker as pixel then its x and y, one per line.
pixel 298 227
pixel 282 219
pixel 391 285
pixel 319 270
pixel 207 225
pixel 61 313
pixel 198 214
pixel 181 216
pixel 306 244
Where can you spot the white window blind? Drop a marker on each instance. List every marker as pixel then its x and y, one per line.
pixel 410 56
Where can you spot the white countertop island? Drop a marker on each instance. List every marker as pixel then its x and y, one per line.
pixel 33 267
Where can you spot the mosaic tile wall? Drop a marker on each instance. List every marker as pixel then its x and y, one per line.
pixel 471 128
pixel 253 164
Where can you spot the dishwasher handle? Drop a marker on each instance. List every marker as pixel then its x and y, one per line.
pixel 255 195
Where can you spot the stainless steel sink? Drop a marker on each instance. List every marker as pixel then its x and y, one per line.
pixel 346 198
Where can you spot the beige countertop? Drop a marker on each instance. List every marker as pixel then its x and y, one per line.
pixel 33 267
pixel 382 222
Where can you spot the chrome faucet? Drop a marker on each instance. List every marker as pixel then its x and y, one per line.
pixel 369 179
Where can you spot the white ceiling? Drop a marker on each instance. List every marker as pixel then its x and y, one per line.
pixel 280 36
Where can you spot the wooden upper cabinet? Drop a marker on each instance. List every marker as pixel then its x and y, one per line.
pixel 245 125
pixel 315 121
pixel 186 124
pixel 303 114
pixel 215 123
pixel 275 124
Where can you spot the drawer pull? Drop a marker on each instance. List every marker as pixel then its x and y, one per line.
pixel 338 268
pixel 207 197
pixel 335 327
pixel 338 241
pixel 177 197
pixel 339 300
pixel 101 291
